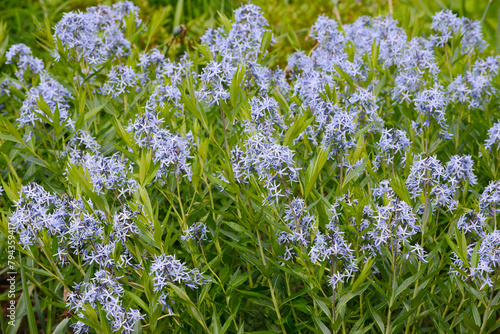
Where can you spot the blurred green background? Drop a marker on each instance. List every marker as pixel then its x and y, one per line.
pixel 23 17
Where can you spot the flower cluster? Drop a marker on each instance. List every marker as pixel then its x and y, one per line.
pixel 488 263
pixel 50 92
pixel 300 224
pixel 333 247
pixel 447 25
pixel 460 169
pixel 79 228
pixel 120 78
pixel 169 150
pixel 273 163
pixel 239 46
pixel 431 104
pixel 96 35
pixel 472 222
pixel 367 94
pixel 490 199
pixel 38 210
pixel 106 293
pixel 474 87
pixel 392 142
pixel 339 133
pixel 493 137
pixel 106 173
pixel 152 60
pixel 393 224
pixel 425 172
pixel 167 269
pixel 197 232
pixel 265 115
pixel 22 56
pixel 242 42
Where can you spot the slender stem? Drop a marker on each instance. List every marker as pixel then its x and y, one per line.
pixel 184 223
pixel 271 288
pixel 225 133
pixel 437 218
pixel 426 209
pixel 221 285
pixel 495 216
pixel 457 311
pixel 125 106
pixel 488 308
pixel 486 10
pixel 295 218
pixel 332 263
pixel 393 287
pixel 341 168
pixel 289 291
pixel 393 158
pixel 170 200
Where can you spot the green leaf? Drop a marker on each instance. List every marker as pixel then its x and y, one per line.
pixel 235 87
pixel 296 129
pixel 314 169
pixel 367 268
pixel 224 20
pixel 192 309
pixel 265 42
pixel 354 172
pixel 292 38
pixel 455 249
pixel 345 76
pixel 61 327
pixel 178 13
pixel 138 301
pixel 121 132
pixel 215 327
pixel 406 283
pixel 93 112
pixel 321 325
pixel 239 278
pixel 29 308
pixel 380 85
pixel 322 304
pixel 377 317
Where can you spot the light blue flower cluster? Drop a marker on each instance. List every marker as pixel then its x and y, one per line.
pixel 494 138
pixel 96 35
pixel 166 268
pixel 301 226
pixel 197 232
pixel 390 225
pixel 54 95
pixel 106 173
pixel 170 150
pixel 106 293
pixel 120 78
pixel 447 25
pixel 475 226
pixel 271 162
pixel 22 56
pixel 392 141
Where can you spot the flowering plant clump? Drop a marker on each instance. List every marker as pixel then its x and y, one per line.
pixel 354 188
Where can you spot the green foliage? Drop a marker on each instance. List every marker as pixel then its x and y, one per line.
pixel 252 288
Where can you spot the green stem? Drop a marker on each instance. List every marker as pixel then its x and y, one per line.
pixel 271 288
pixel 333 296
pixel 388 327
pixel 488 308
